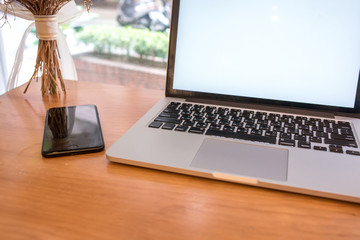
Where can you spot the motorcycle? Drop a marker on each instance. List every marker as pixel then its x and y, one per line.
pixel 151 14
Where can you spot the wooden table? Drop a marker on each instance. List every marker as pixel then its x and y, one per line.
pixel 87 197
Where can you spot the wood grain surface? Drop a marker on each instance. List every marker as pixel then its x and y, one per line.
pixel 87 197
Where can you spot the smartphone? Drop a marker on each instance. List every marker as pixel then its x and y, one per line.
pixel 72 130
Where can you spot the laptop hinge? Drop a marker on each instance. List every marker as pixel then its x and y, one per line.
pixel 271 108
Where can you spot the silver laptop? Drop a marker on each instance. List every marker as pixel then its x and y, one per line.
pixel 264 93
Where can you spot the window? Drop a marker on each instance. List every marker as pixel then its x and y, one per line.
pixel 3 69
pixel 118 42
pixel 11 37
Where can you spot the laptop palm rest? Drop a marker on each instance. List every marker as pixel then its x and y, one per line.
pixel 222 156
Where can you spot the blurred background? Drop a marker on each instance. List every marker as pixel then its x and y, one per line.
pixel 118 42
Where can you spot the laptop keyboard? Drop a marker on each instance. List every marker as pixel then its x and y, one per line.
pixel 267 127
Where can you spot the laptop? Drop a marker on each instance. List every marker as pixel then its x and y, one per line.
pixel 264 93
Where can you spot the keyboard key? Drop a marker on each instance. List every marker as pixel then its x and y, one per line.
pixel 224 117
pixel 215 126
pixel 266 128
pixel 211 120
pixel 235 112
pixel 197 130
pixel 221 111
pixel 201 124
pixel 272 116
pixel 351 152
pixel 256 132
pixel 303 144
pixel 332 130
pixel 263 122
pixel 310 122
pixel 224 122
pixel 174 104
pixel 279 129
pixel 168 120
pixel 304 127
pixel 242 136
pixel 199 114
pixel 209 109
pixel 188 123
pixel 329 121
pixel 318 129
pixel 228 128
pixel 199 119
pixel 185 117
pixel 346 132
pixel 343 125
pixel 242 130
pixel 336 149
pixel 260 115
pixel 320 148
pixel 270 134
pixel 285 135
pixel 170 110
pixel 287 142
pixel 307 132
pixel 181 128
pixel 247 113
pixel 237 124
pixel 169 115
pixel 293 131
pixel 155 124
pixel 275 124
pixel 341 142
pixel 249 120
pixel 289 125
pixel 299 120
pixel 300 137
pixel 236 119
pixel 342 137
pixel 168 126
pixel 322 134
pixel 250 125
pixel 315 139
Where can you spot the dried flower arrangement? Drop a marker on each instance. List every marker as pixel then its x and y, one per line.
pixel 47 61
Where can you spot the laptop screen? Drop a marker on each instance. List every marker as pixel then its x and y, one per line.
pixel 295 51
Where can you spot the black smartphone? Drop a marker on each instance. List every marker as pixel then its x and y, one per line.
pixel 72 130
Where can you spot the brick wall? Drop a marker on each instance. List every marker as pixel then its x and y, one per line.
pixel 106 71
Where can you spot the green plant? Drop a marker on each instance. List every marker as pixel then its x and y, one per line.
pixel 145 43
pixel 161 45
pixel 123 39
pixel 99 37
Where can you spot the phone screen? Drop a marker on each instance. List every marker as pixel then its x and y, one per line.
pixel 72 130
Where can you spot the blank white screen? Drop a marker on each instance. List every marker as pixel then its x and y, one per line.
pixel 305 51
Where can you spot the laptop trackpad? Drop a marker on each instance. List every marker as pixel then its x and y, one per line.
pixel 251 160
